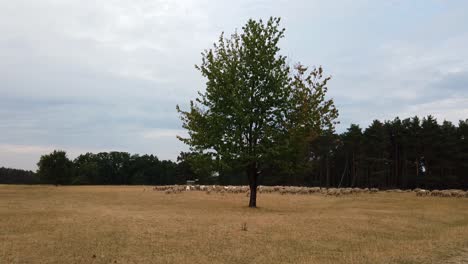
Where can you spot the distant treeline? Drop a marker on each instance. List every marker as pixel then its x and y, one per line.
pixel 107 168
pixel 16 176
pixel 405 153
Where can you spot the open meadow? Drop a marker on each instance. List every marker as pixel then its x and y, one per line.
pixel 111 224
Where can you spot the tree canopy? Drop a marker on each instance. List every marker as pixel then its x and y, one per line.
pixel 255 109
pixel 55 168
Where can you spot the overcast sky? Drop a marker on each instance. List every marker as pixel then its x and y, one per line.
pixel 99 75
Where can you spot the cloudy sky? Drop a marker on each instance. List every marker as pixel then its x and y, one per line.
pixel 95 75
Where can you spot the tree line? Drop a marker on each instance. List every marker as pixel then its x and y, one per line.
pixel 409 153
pixel 405 154
pixel 17 176
pixel 107 168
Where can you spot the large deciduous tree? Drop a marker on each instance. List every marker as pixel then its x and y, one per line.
pixel 55 168
pixel 256 110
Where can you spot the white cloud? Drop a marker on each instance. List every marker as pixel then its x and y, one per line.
pixel 164 133
pixel 27 156
pixel 450 109
pixel 22 149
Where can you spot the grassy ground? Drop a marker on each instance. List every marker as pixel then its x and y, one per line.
pixel 45 224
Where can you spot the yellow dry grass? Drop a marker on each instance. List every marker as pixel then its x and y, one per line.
pixel 46 224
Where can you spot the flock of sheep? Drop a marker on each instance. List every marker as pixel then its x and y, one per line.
pixel 170 189
pixel 442 193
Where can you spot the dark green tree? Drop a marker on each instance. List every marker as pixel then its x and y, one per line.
pixel 198 166
pixel 86 169
pixel 326 155
pixel 352 143
pixel 254 110
pixel 462 153
pixel 55 168
pixel 17 176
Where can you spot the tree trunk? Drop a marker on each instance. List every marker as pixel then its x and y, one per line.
pixel 253 196
pixel 252 173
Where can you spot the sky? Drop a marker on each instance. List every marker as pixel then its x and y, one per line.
pixel 106 75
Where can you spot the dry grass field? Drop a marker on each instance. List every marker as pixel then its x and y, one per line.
pixel 46 224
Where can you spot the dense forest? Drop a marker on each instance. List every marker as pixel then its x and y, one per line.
pixel 17 176
pixel 406 153
pixel 403 154
pixel 116 168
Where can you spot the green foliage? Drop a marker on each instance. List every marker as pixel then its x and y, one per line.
pixel 387 155
pixel 199 166
pixel 86 168
pixel 55 168
pixel 17 176
pixel 255 110
pixel 123 168
pixel 114 168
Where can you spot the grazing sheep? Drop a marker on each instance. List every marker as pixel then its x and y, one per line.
pixel 347 191
pixel 283 190
pixel 334 192
pixel 422 193
pixel 446 193
pixel 457 193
